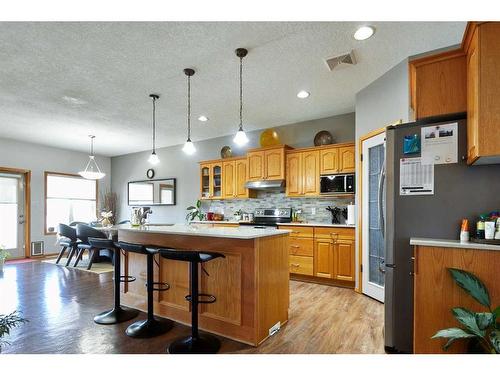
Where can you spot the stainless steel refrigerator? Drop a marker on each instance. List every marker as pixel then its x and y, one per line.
pixel 460 191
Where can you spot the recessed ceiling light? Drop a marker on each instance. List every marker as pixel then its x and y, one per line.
pixel 364 32
pixel 203 118
pixel 303 94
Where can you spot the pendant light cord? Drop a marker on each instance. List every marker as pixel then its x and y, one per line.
pixel 189 108
pixel 91 145
pixel 154 124
pixel 241 93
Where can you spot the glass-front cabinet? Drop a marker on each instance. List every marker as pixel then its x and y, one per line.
pixel 211 180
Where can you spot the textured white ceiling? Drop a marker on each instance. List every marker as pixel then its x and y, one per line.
pixel 110 69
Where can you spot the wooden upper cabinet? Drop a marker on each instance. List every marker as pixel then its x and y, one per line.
pixel 329 161
pixel 294 174
pixel 266 164
pixel 229 181
pixel 240 167
pixel 310 173
pixel 302 173
pixel 438 84
pixel 347 163
pixel 482 46
pixel 274 165
pixel 255 165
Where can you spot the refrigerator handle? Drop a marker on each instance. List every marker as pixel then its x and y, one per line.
pixel 381 184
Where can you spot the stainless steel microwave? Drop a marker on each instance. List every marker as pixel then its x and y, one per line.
pixel 337 184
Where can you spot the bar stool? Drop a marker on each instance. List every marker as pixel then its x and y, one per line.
pixel 68 241
pixel 196 343
pixel 151 326
pixel 118 313
pixel 84 232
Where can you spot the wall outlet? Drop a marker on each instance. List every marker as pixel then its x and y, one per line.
pixel 313 211
pixel 275 328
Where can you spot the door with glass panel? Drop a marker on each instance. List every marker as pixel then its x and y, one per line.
pixel 12 220
pixel 373 213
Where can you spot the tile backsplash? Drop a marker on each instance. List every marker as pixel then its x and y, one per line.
pixel 266 199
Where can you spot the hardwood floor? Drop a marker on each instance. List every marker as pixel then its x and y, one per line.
pixel 61 303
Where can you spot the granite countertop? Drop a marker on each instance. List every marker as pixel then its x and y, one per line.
pixel 245 233
pixel 311 224
pixel 435 242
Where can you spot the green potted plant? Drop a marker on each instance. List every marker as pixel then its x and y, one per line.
pixel 7 322
pixel 4 254
pixel 195 212
pixel 483 327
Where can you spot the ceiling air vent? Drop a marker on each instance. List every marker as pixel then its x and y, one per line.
pixel 336 62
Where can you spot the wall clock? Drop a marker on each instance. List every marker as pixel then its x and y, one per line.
pixel 150 173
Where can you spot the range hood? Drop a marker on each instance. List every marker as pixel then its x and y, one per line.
pixel 266 185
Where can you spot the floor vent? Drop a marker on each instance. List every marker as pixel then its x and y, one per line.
pixel 37 248
pixel 336 62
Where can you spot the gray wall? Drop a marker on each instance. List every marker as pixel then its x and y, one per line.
pixel 38 159
pixel 174 163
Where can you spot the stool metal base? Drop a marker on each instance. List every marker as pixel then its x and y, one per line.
pixel 117 315
pixel 204 344
pixel 149 328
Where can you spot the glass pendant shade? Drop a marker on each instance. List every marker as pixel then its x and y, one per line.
pixel 240 138
pixel 92 170
pixel 189 148
pixel 153 158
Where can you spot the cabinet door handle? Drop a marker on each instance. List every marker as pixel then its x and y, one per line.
pixel 295 231
pixel 296 246
pixel 295 265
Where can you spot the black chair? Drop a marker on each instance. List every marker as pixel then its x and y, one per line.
pixel 151 326
pixel 75 223
pixel 68 241
pixel 84 232
pixel 196 343
pixel 118 313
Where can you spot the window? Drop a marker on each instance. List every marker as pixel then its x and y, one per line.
pixel 68 198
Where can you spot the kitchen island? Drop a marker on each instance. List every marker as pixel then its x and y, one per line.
pixel 251 284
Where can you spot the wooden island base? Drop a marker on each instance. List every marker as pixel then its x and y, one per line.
pixel 251 284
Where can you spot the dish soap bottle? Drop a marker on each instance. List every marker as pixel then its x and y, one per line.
pixel 480 228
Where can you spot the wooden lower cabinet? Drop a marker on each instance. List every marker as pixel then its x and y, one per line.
pixel 322 254
pixel 323 258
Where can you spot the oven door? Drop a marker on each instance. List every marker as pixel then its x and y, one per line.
pixel 333 184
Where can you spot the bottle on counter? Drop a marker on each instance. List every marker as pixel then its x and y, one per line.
pixel 480 227
pixel 464 231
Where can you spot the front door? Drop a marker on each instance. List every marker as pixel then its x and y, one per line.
pixel 373 205
pixel 12 219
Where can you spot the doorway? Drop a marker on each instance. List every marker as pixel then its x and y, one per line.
pixel 15 211
pixel 373 216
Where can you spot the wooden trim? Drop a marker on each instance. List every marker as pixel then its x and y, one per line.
pixel 468 33
pixel 27 205
pixel 433 58
pixel 323 147
pixel 47 173
pixel 232 158
pixel 359 195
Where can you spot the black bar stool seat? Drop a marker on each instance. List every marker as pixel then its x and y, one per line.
pixel 196 343
pixel 152 326
pixel 118 313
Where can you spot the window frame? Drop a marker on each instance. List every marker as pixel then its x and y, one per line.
pixel 46 174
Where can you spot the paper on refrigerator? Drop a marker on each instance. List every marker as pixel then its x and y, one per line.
pixel 415 178
pixel 440 144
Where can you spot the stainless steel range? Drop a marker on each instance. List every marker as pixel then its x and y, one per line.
pixel 270 217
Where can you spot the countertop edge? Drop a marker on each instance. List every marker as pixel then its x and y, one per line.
pixel 279 224
pixel 436 242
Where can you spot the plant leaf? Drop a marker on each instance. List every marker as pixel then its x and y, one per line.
pixel 495 340
pixel 452 333
pixel 198 203
pixel 472 285
pixel 484 320
pixel 468 319
pixel 497 311
pixel 191 208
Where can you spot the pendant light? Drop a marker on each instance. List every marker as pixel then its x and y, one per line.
pixel 153 158
pixel 92 170
pixel 241 138
pixel 189 146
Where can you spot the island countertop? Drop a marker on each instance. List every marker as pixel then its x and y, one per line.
pixel 243 233
pixel 435 242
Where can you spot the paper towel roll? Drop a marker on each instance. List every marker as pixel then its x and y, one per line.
pixel 351 214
